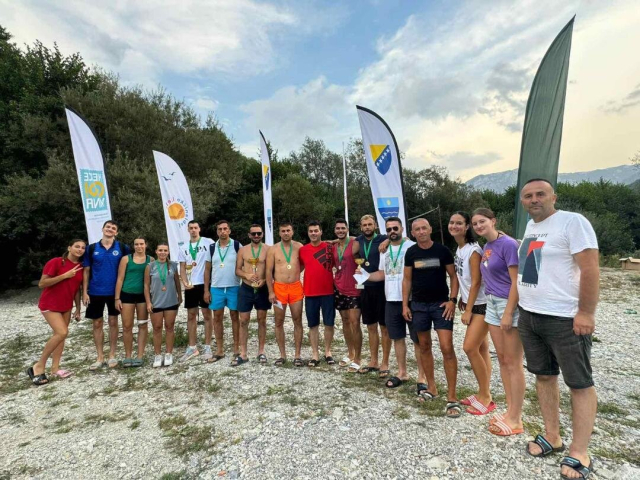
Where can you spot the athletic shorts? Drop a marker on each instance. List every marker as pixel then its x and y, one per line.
pixel 495 309
pixel 288 293
pixel 194 297
pixel 95 309
pixel 166 309
pixel 224 297
pixel 345 302
pixel 372 303
pixel 551 346
pixel 248 299
pixel 136 298
pixel 397 326
pixel 477 309
pixel 428 315
pixel 313 306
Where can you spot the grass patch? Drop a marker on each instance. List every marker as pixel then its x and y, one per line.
pixel 401 413
pixel 532 427
pixel 278 389
pixel 182 337
pixel 213 387
pixel 609 408
pixel 186 439
pixel 94 419
pixel 134 425
pixel 170 423
pixel 181 475
pixel 63 425
pixel 619 455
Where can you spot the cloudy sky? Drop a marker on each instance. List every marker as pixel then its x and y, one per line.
pixel 451 78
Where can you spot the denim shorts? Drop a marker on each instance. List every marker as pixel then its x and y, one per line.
pixel 551 346
pixel 322 303
pixel 426 315
pixel 397 326
pixel 495 309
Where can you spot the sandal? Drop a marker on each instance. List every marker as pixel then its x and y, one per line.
pixel 477 408
pixel 297 362
pixel 577 465
pixel 345 362
pixel 353 368
pixel 215 358
pixel 368 369
pixel 262 358
pixel 455 407
pixel 126 363
pixel 329 360
pixel 137 362
pixel 62 374
pixel 467 401
pixel 37 380
pixel 112 363
pixel 500 428
pixel 394 382
pixel 280 362
pixel 312 363
pixel 424 394
pixel 383 373
pixel 238 361
pixel 30 373
pixel 96 366
pixel 545 446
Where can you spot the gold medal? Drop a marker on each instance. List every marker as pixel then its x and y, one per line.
pixel 366 264
pixel 334 269
pixel 194 264
pixel 222 265
pixel 289 266
pixel 164 289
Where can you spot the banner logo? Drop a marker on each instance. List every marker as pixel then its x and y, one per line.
pixel 388 206
pixel 178 211
pixel 93 191
pixel 269 218
pixel 265 170
pixel 381 155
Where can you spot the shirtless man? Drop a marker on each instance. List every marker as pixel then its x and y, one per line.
pixel 253 291
pixel 283 281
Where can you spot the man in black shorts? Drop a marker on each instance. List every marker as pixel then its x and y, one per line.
pixel 253 293
pixel 426 266
pixel 192 258
pixel 101 264
pixel 372 300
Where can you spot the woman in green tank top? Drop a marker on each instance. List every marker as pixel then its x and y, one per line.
pixel 130 299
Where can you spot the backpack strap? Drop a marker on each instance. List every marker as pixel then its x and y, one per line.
pixel 236 245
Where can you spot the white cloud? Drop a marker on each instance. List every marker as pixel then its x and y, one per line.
pixel 206 103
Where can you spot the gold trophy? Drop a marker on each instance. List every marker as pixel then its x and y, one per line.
pixel 254 266
pixel 189 269
pixel 359 262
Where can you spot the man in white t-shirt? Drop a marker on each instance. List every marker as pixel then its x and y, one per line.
pixel 558 277
pixel 391 270
pixel 194 255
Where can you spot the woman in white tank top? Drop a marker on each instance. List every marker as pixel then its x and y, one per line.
pixel 473 305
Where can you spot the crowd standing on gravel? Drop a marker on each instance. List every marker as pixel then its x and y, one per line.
pixel 536 298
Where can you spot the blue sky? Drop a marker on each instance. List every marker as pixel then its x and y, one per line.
pixel 450 77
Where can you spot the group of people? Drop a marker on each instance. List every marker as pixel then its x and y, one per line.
pixel 536 298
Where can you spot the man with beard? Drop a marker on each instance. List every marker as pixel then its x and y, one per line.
pixel 347 296
pixel 285 288
pixel 253 291
pixel 372 299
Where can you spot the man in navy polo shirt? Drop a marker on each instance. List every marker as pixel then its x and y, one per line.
pixel 101 263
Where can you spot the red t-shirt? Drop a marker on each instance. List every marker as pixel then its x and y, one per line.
pixel 345 283
pixel 318 274
pixel 59 297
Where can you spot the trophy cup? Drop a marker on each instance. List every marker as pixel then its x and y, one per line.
pixel 359 262
pixel 254 266
pixel 189 269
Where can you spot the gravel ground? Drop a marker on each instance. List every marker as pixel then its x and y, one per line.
pixel 215 421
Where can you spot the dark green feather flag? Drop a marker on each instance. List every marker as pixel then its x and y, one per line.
pixel 542 132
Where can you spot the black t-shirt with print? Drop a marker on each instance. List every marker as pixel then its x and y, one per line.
pixel 429 275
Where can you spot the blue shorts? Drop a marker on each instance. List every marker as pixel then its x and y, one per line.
pixel 313 306
pixel 397 326
pixel 224 297
pixel 495 309
pixel 248 299
pixel 426 315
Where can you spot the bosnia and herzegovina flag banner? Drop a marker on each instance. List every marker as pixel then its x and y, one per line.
pixel 542 132
pixel 383 165
pixel 267 179
pixel 91 175
pixel 176 202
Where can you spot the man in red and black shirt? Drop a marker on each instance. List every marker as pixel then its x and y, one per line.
pixel 317 260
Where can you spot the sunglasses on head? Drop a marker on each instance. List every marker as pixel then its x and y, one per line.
pixel 393 229
pixel 255 234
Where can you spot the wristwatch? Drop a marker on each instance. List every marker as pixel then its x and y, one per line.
pixel 453 299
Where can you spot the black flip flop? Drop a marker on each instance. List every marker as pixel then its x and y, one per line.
pixel 262 358
pixel 394 382
pixel 383 373
pixel 215 358
pixel 30 373
pixel 238 361
pixel 577 465
pixel 329 360
pixel 313 363
pixel 40 379
pixel 368 369
pixel 545 447
pixel 280 362
pixel 297 362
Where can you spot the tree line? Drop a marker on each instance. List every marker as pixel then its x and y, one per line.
pixel 41 207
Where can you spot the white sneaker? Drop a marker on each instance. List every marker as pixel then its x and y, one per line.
pixel 168 359
pixel 207 354
pixel 157 361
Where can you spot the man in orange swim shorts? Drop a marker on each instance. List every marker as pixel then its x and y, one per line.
pixel 285 288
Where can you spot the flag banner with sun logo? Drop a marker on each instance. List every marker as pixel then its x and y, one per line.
pixel 267 180
pixel 383 165
pixel 91 175
pixel 176 202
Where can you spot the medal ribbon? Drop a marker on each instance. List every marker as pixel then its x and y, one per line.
pixel 225 252
pixel 367 249
pixel 162 272
pixel 395 262
pixel 341 252
pixel 253 254
pixel 194 251
pixel 287 257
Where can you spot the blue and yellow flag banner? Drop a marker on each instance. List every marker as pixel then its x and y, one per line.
pixel 267 181
pixel 91 175
pixel 383 164
pixel 542 131
pixel 176 202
